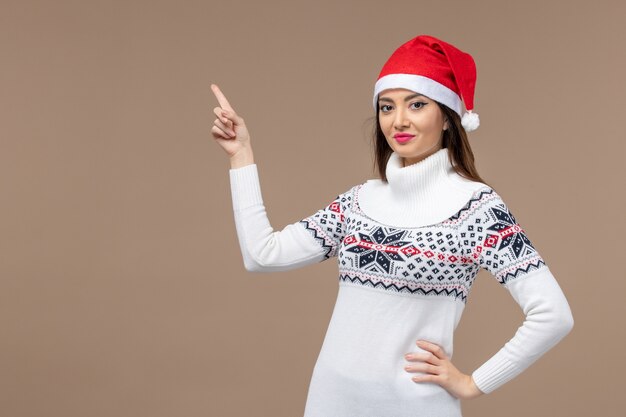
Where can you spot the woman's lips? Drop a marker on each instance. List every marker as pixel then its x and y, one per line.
pixel 403 138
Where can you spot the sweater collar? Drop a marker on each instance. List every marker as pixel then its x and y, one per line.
pixel 423 193
pixel 421 180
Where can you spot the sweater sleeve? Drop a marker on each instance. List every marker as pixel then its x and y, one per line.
pixel 497 243
pixel 310 240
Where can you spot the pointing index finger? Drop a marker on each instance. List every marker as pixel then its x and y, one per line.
pixel 221 98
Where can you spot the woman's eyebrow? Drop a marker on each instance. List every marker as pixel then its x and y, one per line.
pixel 407 98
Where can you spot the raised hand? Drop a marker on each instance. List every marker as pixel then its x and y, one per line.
pixel 229 129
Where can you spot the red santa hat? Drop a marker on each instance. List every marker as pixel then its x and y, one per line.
pixel 438 70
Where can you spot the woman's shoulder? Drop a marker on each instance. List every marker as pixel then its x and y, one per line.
pixel 486 202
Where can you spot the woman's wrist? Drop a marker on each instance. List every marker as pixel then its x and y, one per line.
pixel 475 391
pixel 242 158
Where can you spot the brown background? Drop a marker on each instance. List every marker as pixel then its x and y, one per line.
pixel 122 288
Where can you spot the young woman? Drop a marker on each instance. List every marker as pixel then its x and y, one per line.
pixel 409 246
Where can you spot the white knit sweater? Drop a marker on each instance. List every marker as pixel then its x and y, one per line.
pixel 408 252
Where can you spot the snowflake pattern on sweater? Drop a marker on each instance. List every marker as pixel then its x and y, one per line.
pixel 442 259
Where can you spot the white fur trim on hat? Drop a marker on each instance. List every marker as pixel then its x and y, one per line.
pixel 423 85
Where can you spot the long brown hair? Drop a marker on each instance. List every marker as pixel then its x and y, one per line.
pixel 454 138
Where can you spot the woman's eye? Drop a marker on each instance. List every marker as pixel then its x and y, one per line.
pixel 382 108
pixel 419 102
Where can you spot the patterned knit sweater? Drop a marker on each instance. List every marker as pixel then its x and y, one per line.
pixel 408 251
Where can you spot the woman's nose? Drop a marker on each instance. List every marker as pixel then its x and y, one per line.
pixel 400 118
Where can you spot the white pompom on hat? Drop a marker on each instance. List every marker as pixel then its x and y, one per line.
pixel 438 70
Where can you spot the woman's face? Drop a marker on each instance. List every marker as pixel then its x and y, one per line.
pixel 412 123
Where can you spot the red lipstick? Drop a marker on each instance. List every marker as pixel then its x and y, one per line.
pixel 403 137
